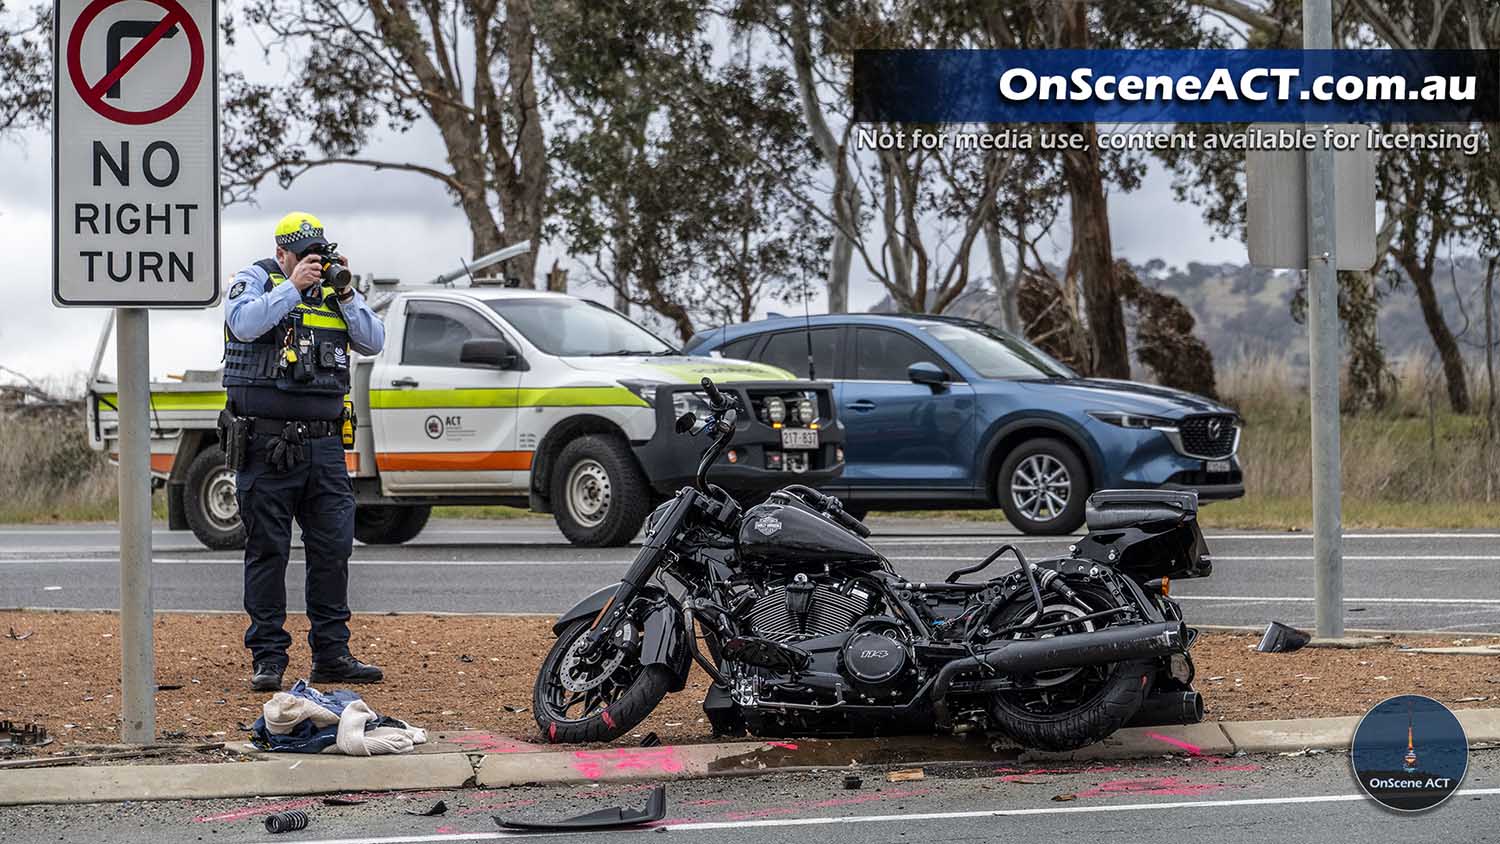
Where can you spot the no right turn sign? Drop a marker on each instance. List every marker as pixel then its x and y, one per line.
pixel 135 154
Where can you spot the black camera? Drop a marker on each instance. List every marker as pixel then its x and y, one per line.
pixel 335 274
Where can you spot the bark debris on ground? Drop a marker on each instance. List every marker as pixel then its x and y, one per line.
pixel 476 672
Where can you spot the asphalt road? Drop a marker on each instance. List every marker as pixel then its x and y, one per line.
pixel 1245 800
pixel 1441 581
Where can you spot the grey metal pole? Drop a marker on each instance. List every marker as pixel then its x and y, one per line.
pixel 1323 358
pixel 137 656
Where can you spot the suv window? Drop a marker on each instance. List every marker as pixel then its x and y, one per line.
pixel 883 355
pixel 436 331
pixel 788 350
pixel 738 349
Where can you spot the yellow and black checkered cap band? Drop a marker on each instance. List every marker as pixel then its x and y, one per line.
pixel 300 229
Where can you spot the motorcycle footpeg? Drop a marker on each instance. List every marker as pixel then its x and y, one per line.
pixel 764 653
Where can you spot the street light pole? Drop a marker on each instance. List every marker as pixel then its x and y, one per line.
pixel 1324 358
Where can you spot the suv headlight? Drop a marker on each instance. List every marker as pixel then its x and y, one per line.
pixel 683 401
pixel 1120 419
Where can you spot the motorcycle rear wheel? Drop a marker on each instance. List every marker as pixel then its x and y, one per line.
pixel 619 702
pixel 1073 708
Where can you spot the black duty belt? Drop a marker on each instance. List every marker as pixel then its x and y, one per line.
pixel 309 429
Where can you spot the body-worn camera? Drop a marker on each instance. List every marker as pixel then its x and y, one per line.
pixel 335 274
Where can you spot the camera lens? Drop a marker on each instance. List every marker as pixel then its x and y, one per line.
pixel 337 276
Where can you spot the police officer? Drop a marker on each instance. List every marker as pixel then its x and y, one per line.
pixel 287 337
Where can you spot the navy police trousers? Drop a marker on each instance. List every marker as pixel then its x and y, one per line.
pixel 317 493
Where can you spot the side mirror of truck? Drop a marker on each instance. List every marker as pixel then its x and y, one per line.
pixel 925 372
pixel 488 351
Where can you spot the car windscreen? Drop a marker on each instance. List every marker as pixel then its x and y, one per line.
pixel 994 353
pixel 577 327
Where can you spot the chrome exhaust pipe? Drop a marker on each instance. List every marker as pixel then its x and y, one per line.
pixel 1168 709
pixel 1075 650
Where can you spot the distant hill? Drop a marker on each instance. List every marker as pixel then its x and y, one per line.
pixel 1245 311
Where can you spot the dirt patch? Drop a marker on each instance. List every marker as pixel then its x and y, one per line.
pixel 476 672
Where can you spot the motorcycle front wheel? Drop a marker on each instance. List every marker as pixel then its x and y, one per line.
pixel 599 698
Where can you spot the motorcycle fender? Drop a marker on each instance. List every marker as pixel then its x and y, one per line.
pixel 663 642
pixel 587 608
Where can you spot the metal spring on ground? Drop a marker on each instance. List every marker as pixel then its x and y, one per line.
pixel 286 821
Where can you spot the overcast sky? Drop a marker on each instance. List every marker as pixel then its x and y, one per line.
pixel 394 224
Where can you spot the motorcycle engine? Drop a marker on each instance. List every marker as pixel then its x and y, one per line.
pixel 803 609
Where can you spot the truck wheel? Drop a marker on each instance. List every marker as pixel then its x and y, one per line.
pixel 212 511
pixel 599 496
pixel 382 524
pixel 1043 487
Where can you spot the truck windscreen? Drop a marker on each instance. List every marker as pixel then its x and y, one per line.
pixel 576 327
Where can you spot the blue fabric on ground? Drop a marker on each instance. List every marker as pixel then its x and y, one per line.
pixel 306 737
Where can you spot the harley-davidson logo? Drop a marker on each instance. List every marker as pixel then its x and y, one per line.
pixel 768 524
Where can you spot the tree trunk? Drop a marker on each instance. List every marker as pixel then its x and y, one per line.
pixel 1442 337
pixel 1094 257
pixel 845 199
pixel 523 197
pixel 1092 252
pixel 1005 285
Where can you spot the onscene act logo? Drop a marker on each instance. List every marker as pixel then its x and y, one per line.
pixel 1409 753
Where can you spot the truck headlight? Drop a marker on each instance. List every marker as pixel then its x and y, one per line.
pixel 775 410
pixel 1120 419
pixel 683 401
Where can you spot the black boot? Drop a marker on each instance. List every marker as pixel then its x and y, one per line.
pixel 267 677
pixel 344 669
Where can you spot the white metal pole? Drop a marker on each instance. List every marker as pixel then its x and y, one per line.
pixel 137 656
pixel 1323 358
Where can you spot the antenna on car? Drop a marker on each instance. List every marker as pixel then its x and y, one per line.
pixel 470 272
pixel 812 369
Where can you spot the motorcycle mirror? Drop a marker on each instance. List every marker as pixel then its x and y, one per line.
pixel 686 422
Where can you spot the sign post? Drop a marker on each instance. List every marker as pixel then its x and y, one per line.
pixel 1323 357
pixel 135 199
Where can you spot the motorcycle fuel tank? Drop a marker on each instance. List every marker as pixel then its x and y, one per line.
pixel 783 535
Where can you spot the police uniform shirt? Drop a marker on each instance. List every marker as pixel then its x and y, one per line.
pixel 250 311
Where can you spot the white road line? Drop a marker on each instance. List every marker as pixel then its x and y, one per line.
pixel 914 816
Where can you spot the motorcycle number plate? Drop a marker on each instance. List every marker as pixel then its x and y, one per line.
pixel 804 438
pixel 1216 465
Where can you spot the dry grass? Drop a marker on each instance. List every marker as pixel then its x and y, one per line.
pixel 49 473
pixel 1415 453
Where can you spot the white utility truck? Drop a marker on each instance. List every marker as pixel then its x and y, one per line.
pixel 499 395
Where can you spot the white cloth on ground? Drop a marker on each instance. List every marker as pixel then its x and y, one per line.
pixel 283 712
pixel 355 740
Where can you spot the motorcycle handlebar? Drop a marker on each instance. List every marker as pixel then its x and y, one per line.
pixel 715 398
pixel 832 506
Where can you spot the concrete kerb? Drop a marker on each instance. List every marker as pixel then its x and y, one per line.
pixel 295 775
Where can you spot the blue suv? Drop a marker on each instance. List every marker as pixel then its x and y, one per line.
pixel 942 412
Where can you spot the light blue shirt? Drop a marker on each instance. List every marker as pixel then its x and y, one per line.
pixel 250 311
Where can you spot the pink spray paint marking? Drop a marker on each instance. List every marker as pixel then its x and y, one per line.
pixel 488 743
pixel 1189 749
pixel 1166 786
pixel 595 764
pixel 784 745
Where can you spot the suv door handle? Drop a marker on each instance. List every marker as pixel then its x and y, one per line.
pixel 862 405
pixel 404 382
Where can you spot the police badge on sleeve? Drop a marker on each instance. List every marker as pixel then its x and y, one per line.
pixel 237 289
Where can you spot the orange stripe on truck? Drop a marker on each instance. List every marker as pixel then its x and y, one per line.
pixel 453 461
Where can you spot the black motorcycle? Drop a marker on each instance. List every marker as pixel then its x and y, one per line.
pixel 805 629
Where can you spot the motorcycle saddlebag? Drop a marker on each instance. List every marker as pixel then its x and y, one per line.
pixel 1146 533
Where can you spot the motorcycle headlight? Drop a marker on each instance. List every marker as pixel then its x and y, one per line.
pixel 1137 421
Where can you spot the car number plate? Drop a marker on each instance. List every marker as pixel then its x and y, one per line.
pixel 804 438
pixel 1216 465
